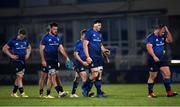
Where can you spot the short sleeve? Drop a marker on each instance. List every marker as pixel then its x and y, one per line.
pixel 76 48
pixel 87 36
pixel 60 40
pixel 10 43
pixel 43 41
pixel 149 39
pixel 28 43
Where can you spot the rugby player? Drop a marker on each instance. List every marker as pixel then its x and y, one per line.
pixel 18 49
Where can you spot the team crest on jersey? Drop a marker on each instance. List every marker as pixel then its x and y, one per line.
pixel 50 40
pixel 16 44
pixel 94 34
pixel 100 35
pixel 82 69
pixel 157 40
pixel 44 69
pixel 57 39
pixel 151 68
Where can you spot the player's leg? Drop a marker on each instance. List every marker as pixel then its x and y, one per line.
pixel 20 76
pixel 98 82
pixel 92 77
pixel 14 92
pixel 153 68
pixel 150 83
pixel 59 84
pixel 165 71
pixel 42 79
pixel 49 86
pixel 59 88
pixel 84 86
pixel 75 85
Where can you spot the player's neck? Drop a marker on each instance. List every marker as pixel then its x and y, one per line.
pixel 95 29
pixel 19 37
pixel 51 34
pixel 156 33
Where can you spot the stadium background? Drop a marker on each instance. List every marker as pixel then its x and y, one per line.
pixel 125 25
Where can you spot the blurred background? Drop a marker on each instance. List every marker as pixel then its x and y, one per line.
pixel 126 23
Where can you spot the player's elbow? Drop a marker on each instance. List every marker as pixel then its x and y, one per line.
pixel 4 48
pixel 169 40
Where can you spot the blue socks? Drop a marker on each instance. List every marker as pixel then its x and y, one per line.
pixel 150 87
pixel 74 87
pixel 167 83
pixel 98 84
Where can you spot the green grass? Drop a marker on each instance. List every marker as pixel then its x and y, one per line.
pixel 121 94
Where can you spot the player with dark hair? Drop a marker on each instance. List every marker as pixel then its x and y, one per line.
pixel 18 49
pixel 50 45
pixel 157 58
pixel 93 49
pixel 80 65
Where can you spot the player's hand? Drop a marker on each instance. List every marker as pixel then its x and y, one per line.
pixel 166 28
pixel 89 60
pixel 27 57
pixel 106 52
pixel 85 63
pixel 69 65
pixel 15 57
pixel 44 64
pixel 156 59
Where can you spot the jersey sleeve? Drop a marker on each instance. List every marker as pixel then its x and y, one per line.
pixel 149 40
pixel 43 41
pixel 76 48
pixel 28 43
pixel 60 40
pixel 87 36
pixel 10 43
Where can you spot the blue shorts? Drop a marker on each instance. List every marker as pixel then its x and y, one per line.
pixel 96 62
pixel 51 65
pixel 18 65
pixel 155 66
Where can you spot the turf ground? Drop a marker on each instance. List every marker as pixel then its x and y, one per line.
pixel 117 95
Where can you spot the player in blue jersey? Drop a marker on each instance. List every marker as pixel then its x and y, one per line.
pixel 18 49
pixel 80 65
pixel 50 46
pixel 93 49
pixel 158 60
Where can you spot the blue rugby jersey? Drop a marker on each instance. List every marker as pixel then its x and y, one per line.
pixel 51 43
pixel 158 43
pixel 95 40
pixel 79 48
pixel 18 47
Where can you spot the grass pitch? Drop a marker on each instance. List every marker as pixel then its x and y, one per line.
pixel 117 95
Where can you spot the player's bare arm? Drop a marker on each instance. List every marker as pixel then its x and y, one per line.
pixel 104 50
pixel 79 59
pixel 151 52
pixel 28 52
pixel 63 51
pixel 42 47
pixel 86 51
pixel 169 38
pixel 5 49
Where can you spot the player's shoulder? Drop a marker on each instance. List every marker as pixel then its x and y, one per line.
pixel 90 30
pixel 14 39
pixel 150 36
pixel 58 36
pixel 45 36
pixel 78 42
